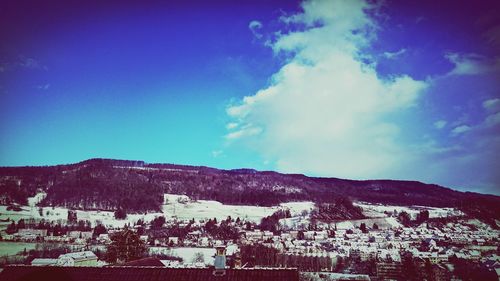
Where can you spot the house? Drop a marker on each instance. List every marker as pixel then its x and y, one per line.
pixel 254 235
pixel 103 238
pixel 267 235
pixel 173 240
pixel 80 234
pixel 85 258
pixel 27 234
pixel 28 231
pixel 389 270
pixel 132 273
pixel 204 242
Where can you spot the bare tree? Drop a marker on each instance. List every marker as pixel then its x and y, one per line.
pixel 198 257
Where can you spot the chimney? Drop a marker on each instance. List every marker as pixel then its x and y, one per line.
pixel 237 260
pixel 220 261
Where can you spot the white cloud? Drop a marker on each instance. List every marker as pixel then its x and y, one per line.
pixel 231 125
pixel 217 153
pixel 255 27
pixel 246 131
pixel 460 130
pixel 472 64
pixel 23 62
pixel 43 87
pixel 393 55
pixel 440 124
pixel 326 112
pixel 492 105
pixel 492 120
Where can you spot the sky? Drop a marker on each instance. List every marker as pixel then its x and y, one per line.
pixel 349 89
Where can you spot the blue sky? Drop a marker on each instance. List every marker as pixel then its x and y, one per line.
pixel 399 89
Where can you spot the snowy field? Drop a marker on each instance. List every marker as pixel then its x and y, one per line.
pixel 12 248
pixel 182 207
pixel 377 210
pixel 179 206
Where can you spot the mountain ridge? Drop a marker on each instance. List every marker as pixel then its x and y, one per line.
pixel 141 163
pixel 137 186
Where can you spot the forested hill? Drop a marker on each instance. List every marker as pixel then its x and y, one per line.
pixel 137 186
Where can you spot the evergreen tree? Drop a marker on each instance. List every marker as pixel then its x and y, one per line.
pixel 120 214
pixel 98 230
pixel 11 228
pixel 125 246
pixel 362 227
pixel 404 218
pixel 158 222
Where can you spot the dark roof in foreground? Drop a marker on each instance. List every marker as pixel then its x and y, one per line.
pixel 151 261
pixel 118 273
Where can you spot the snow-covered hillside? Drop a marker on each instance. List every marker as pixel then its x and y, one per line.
pixel 183 207
pixel 179 206
pixel 377 210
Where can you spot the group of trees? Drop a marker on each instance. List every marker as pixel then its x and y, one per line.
pixel 125 246
pixel 47 250
pixel 305 262
pixel 11 192
pixel 120 214
pixel 362 227
pixel 271 223
pixel 340 209
pixel 106 188
pixel 158 222
pixel 98 230
pixel 415 269
pixel 225 230
pixel 53 228
pixel 405 218
pixel 422 217
pixel 468 270
pixel 258 255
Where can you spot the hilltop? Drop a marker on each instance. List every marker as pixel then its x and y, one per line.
pixel 136 186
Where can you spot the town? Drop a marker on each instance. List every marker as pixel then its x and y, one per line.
pixel 407 243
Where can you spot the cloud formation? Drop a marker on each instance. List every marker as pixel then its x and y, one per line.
pixel 472 64
pixel 255 27
pixel 492 105
pixel 327 111
pixel 23 62
pixel 460 130
pixel 393 55
pixel 440 124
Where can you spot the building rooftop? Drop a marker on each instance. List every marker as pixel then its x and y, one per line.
pixel 119 273
pixel 151 261
pixel 80 255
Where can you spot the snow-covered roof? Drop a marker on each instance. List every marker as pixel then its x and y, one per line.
pixel 40 261
pixel 80 255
